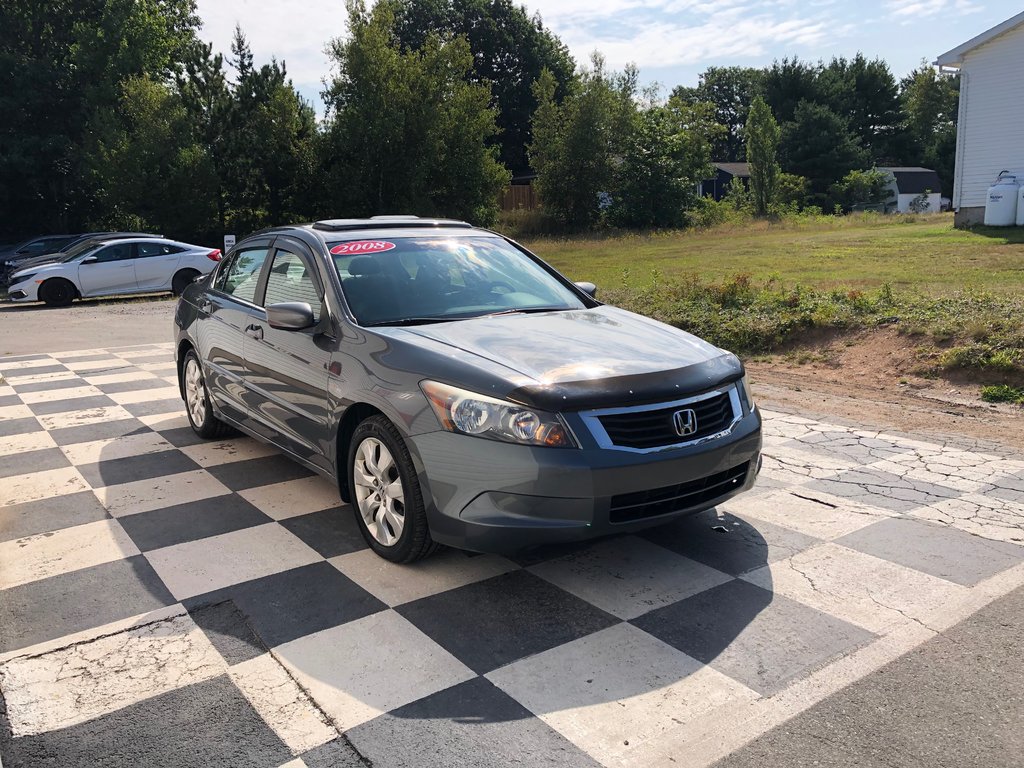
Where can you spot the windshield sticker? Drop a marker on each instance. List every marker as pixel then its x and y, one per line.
pixel 362 246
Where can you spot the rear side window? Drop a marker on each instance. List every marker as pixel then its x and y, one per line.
pixel 157 249
pixel 290 280
pixel 241 276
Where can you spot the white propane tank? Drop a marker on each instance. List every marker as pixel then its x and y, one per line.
pixel 1020 206
pixel 1001 202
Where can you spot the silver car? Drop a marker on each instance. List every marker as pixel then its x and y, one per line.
pixel 112 267
pixel 459 390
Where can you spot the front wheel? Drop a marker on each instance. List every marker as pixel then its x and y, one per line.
pixel 386 494
pixel 57 292
pixel 197 400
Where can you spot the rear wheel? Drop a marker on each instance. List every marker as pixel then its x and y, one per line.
pixel 386 494
pixel 181 280
pixel 57 292
pixel 197 400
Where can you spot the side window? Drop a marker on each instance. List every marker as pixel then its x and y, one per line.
pixel 155 249
pixel 117 252
pixel 243 273
pixel 290 280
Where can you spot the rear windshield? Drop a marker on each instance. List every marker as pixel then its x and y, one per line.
pixel 410 280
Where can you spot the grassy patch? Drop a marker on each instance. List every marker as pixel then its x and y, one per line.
pixel 920 253
pixel 1002 393
pixel 755 317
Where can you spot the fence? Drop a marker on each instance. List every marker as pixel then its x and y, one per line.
pixel 519 196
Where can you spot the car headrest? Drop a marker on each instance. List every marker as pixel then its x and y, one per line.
pixel 364 265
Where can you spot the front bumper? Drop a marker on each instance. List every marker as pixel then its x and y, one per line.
pixel 26 291
pixel 489 496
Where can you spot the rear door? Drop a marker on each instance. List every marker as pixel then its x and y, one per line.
pixel 287 371
pixel 229 308
pixel 111 269
pixel 156 264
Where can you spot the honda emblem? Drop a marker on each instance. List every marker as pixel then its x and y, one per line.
pixel 685 422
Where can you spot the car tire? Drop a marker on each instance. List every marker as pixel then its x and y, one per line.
pixel 58 292
pixel 197 400
pixel 386 497
pixel 181 280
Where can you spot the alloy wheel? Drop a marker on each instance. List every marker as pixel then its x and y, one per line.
pixel 379 492
pixel 195 392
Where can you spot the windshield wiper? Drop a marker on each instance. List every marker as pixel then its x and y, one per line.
pixel 524 311
pixel 412 321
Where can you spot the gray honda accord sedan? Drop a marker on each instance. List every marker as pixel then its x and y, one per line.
pixel 458 389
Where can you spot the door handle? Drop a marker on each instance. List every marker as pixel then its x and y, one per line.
pixel 205 305
pixel 256 331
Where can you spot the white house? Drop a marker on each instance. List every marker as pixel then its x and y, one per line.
pixel 990 128
pixel 913 186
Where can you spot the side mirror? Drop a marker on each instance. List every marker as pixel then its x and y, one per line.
pixel 90 260
pixel 588 288
pixel 290 315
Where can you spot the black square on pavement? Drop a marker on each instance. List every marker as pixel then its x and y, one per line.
pixel 198 726
pixel 471 725
pixel 128 469
pixel 194 520
pixel 758 638
pixel 499 620
pixel 240 475
pixel 948 553
pixel 331 532
pixel 295 603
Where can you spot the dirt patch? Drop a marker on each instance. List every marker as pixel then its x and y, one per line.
pixel 875 377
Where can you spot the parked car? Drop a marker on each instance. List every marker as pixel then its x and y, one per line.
pixel 108 267
pixel 74 247
pixel 35 246
pixel 458 389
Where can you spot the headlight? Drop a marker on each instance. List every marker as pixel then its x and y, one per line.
pixel 22 278
pixel 744 386
pixel 469 413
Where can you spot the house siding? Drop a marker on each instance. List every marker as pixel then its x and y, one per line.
pixel 991 125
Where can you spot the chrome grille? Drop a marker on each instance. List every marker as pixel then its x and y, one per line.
pixel 651 428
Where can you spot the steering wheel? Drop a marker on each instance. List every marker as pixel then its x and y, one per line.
pixel 495 284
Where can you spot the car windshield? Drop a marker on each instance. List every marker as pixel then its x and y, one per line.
pixel 424 279
pixel 79 249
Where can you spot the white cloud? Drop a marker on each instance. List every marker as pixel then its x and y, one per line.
pixel 916 9
pixel 664 33
pixel 294 32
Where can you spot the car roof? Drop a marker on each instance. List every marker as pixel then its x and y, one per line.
pixel 325 227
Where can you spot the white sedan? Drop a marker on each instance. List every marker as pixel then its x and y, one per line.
pixel 130 265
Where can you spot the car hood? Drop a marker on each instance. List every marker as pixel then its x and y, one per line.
pixel 591 357
pixel 39 261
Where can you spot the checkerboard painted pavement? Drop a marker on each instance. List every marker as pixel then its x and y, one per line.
pixel 168 601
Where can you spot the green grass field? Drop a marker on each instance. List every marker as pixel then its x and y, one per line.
pixel 922 253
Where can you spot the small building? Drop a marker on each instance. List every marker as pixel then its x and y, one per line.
pixel 990 126
pixel 913 190
pixel 724 174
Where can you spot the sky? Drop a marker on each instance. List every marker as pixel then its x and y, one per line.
pixel 671 41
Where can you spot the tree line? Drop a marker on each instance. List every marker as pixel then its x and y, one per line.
pixel 118 116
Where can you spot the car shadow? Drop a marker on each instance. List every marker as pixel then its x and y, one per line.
pixel 703 624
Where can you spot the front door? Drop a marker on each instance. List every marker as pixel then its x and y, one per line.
pixel 111 269
pixel 287 370
pixel 231 306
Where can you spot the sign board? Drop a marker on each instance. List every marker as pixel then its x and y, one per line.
pixel 229 242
